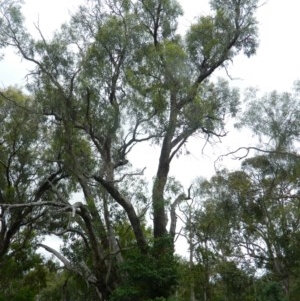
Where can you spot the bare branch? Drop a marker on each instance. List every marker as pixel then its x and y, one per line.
pixel 174 205
pixel 84 271
pixel 249 148
pixel 35 204
pixel 140 173
pixel 72 230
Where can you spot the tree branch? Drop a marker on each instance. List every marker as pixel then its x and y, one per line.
pixel 247 149
pixel 129 209
pixel 174 205
pixel 84 272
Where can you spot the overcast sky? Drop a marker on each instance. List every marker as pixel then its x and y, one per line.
pixel 275 66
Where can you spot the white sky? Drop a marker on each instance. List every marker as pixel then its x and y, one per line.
pixel 275 66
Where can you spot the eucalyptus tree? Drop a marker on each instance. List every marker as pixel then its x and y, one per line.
pixel 27 173
pixel 274 119
pixel 250 217
pixel 252 214
pixel 218 262
pixel 275 210
pixel 117 75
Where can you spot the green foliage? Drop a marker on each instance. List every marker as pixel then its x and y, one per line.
pixel 118 74
pixel 148 276
pixel 271 291
pixel 209 38
pixel 167 15
pixel 264 198
pixel 64 285
pixel 273 117
pixel 22 273
pixel 234 283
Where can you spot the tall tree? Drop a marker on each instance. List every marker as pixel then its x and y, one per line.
pixel 274 119
pixel 251 216
pixel 118 75
pixel 263 196
pixel 27 173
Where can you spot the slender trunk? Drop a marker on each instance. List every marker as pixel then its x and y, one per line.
pixel 160 218
pixel 191 246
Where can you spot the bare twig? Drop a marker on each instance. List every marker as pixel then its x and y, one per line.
pixel 249 148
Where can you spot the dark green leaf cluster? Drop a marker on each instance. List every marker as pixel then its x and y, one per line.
pixel 147 277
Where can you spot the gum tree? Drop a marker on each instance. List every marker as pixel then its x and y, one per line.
pixel 27 173
pixel 118 75
pixel 264 196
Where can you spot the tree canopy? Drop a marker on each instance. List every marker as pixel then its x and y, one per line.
pixel 116 76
